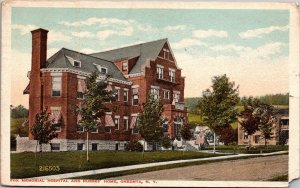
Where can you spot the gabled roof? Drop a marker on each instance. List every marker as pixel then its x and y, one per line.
pixel 144 51
pixel 62 59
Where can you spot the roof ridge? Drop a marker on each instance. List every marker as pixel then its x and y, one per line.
pixel 86 55
pixel 166 39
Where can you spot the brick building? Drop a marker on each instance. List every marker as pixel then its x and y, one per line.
pixel 133 71
pixel 280 131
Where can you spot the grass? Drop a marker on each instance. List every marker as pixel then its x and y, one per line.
pixel 242 149
pixel 156 168
pixel 23 164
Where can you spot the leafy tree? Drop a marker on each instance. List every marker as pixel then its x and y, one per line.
pixel 218 104
pixel 185 132
pixel 91 108
pixel 229 135
pixel 150 121
pixel 248 120
pixel 18 112
pixel 43 130
pixel 266 114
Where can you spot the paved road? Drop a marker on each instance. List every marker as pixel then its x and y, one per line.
pixel 261 168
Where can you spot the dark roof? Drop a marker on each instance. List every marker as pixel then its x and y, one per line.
pixel 62 59
pixel 144 51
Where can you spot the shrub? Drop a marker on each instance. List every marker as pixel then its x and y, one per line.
pixel 134 145
pixel 166 142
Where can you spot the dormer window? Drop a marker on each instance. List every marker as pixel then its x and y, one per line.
pixel 76 63
pixel 101 69
pixel 124 66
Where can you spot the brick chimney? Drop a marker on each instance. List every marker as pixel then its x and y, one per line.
pixel 38 61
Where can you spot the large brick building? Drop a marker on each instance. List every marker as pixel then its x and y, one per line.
pixel 280 132
pixel 134 71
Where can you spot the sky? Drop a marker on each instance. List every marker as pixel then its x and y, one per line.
pixel 249 46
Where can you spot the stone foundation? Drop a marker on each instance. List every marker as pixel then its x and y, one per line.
pixel 24 144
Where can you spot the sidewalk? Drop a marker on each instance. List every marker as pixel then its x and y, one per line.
pixel 139 166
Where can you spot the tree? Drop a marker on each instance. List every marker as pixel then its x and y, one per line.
pixel 185 132
pixel 91 108
pixel 18 112
pixel 218 104
pixel 150 121
pixel 43 130
pixel 229 135
pixel 248 120
pixel 266 114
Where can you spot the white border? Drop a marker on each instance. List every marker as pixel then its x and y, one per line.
pixel 293 71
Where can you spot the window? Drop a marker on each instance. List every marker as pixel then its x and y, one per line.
pixel 77 63
pixel 135 100
pixel 56 86
pixel 166 54
pixel 117 93
pixel 135 130
pixel 125 123
pixel 125 95
pixel 94 146
pixel 125 66
pixel 245 136
pixel 56 118
pixel 160 72
pixel 166 94
pixel 155 93
pixel 79 146
pixel 256 138
pixel 79 128
pixel 172 75
pixel 94 130
pixel 55 146
pixel 101 69
pixel 81 87
pixel 176 96
pixel 107 129
pixel 165 127
pixel 117 122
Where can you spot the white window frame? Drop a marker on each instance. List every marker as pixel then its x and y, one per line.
pixel 56 108
pixel 53 81
pixel 166 53
pixel 127 93
pixel 175 98
pixel 118 93
pixel 160 71
pixel 117 120
pixel 155 92
pixel 164 94
pixel 99 67
pixel 172 75
pixel 126 125
pixel 134 98
pixel 77 62
pixel 125 64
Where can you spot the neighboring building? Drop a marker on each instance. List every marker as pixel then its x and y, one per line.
pixel 280 132
pixel 133 71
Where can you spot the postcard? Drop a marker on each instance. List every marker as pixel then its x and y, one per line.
pixel 149 94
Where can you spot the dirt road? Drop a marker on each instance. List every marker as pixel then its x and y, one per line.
pixel 260 168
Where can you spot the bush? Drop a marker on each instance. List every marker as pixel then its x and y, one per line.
pixel 134 145
pixel 166 142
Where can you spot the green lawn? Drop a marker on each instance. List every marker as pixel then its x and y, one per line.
pixel 17 128
pixel 243 149
pixel 23 165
